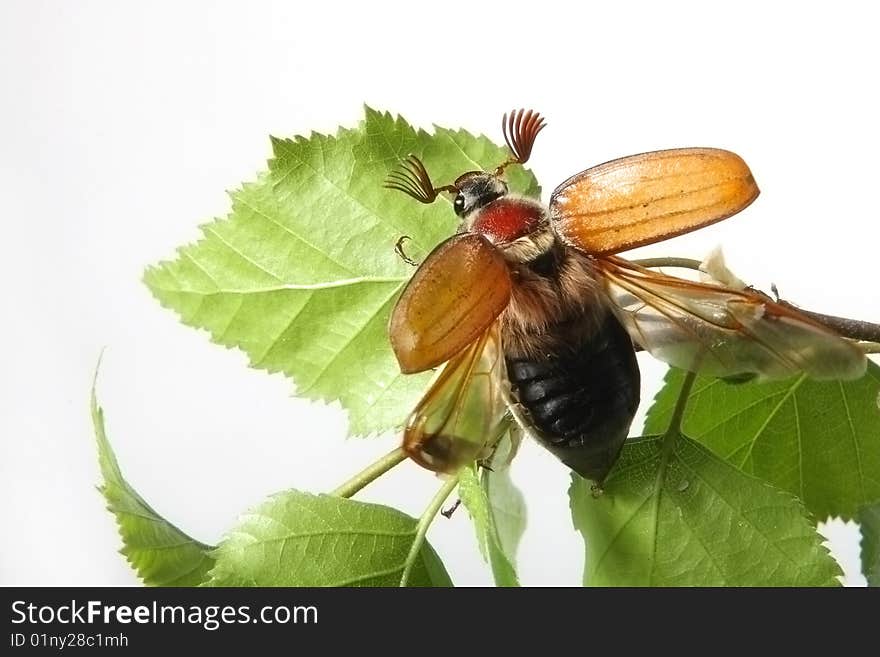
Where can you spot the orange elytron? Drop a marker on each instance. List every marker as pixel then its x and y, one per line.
pixel 533 316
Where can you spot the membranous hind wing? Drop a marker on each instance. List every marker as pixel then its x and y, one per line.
pixel 464 412
pixel 722 332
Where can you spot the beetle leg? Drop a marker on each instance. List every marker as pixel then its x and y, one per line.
pixel 398 249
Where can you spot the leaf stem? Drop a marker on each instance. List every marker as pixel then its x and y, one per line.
pixel 425 521
pixel 674 428
pixel 683 263
pixel 370 473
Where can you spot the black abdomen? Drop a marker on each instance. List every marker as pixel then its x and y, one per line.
pixel 580 402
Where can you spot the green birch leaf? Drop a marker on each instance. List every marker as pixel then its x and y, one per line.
pixel 302 274
pixel 497 509
pixel 508 508
pixel 161 554
pixel 299 539
pixel 817 439
pixel 684 517
pixel 869 520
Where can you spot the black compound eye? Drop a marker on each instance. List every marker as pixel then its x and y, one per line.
pixel 458 204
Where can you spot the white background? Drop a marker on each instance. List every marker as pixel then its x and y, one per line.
pixel 122 123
